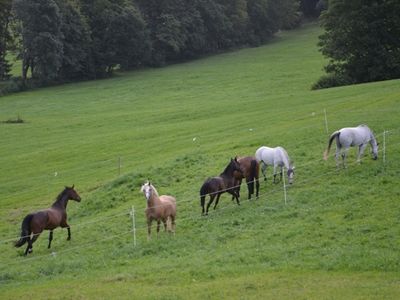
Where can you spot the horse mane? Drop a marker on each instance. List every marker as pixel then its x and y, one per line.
pixel 155 190
pixel 60 195
pixel 227 168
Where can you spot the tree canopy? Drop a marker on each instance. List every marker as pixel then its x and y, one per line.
pixel 62 40
pixel 361 40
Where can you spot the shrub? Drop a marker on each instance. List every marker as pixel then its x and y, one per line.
pixel 331 80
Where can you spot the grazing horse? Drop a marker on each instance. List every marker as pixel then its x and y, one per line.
pixel 276 157
pixel 216 186
pixel 349 137
pixel 250 170
pixel 159 208
pixel 47 219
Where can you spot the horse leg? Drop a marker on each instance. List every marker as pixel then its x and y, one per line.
pixel 250 187
pixel 257 187
pixel 164 220
pixel 173 225
pixel 50 238
pixel 35 236
pixel 361 149
pixel 69 233
pixel 149 221
pixel 275 173
pixel 264 170
pixel 337 154
pixel 158 226
pixel 281 173
pixel 344 155
pixel 209 202
pixel 237 199
pixel 217 200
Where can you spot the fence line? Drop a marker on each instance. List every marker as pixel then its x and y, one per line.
pixel 305 164
pixel 183 201
pixel 127 156
pixel 180 220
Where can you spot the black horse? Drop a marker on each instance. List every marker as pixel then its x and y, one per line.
pixel 216 186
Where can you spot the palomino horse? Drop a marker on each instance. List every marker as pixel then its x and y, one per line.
pixel 47 219
pixel 349 137
pixel 276 157
pixel 250 170
pixel 216 186
pixel 159 208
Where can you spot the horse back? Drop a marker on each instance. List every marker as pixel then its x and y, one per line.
pixel 168 201
pixel 249 166
pixel 354 136
pixel 212 185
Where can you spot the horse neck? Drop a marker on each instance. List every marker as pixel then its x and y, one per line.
pixel 61 202
pixel 154 200
pixel 372 139
pixel 285 159
pixel 228 172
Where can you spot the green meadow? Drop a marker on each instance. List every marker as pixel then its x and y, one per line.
pixel 335 237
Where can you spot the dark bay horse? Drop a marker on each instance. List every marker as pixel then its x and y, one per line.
pixel 216 186
pixel 159 208
pixel 250 170
pixel 47 219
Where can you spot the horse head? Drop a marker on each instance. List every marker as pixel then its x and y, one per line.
pixel 235 166
pixel 147 189
pixel 375 149
pixel 290 175
pixel 72 194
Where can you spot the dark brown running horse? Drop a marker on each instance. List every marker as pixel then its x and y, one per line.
pixel 216 186
pixel 47 219
pixel 250 170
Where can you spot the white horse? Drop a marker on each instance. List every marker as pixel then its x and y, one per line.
pixel 276 157
pixel 159 208
pixel 350 137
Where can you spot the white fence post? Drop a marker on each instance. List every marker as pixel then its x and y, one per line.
pixel 284 187
pixel 384 147
pixel 133 225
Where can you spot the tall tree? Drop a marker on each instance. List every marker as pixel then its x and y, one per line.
pixel 361 40
pixel 217 26
pixel 309 8
pixel 42 48
pixel 76 60
pixel 118 32
pixel 5 15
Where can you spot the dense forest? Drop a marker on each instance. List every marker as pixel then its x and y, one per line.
pixel 70 40
pixel 63 40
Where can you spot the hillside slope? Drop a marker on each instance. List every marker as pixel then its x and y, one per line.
pixel 336 236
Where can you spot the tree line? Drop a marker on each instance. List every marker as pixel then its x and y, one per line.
pixel 69 40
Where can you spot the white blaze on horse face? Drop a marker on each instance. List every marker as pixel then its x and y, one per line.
pixel 146 190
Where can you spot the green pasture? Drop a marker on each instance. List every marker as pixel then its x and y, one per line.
pixel 336 237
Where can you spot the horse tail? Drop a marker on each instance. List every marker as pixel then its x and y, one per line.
pixel 253 175
pixel 333 136
pixel 25 230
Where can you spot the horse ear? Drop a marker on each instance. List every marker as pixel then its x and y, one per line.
pixel 73 185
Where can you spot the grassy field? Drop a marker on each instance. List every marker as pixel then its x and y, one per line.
pixel 335 238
